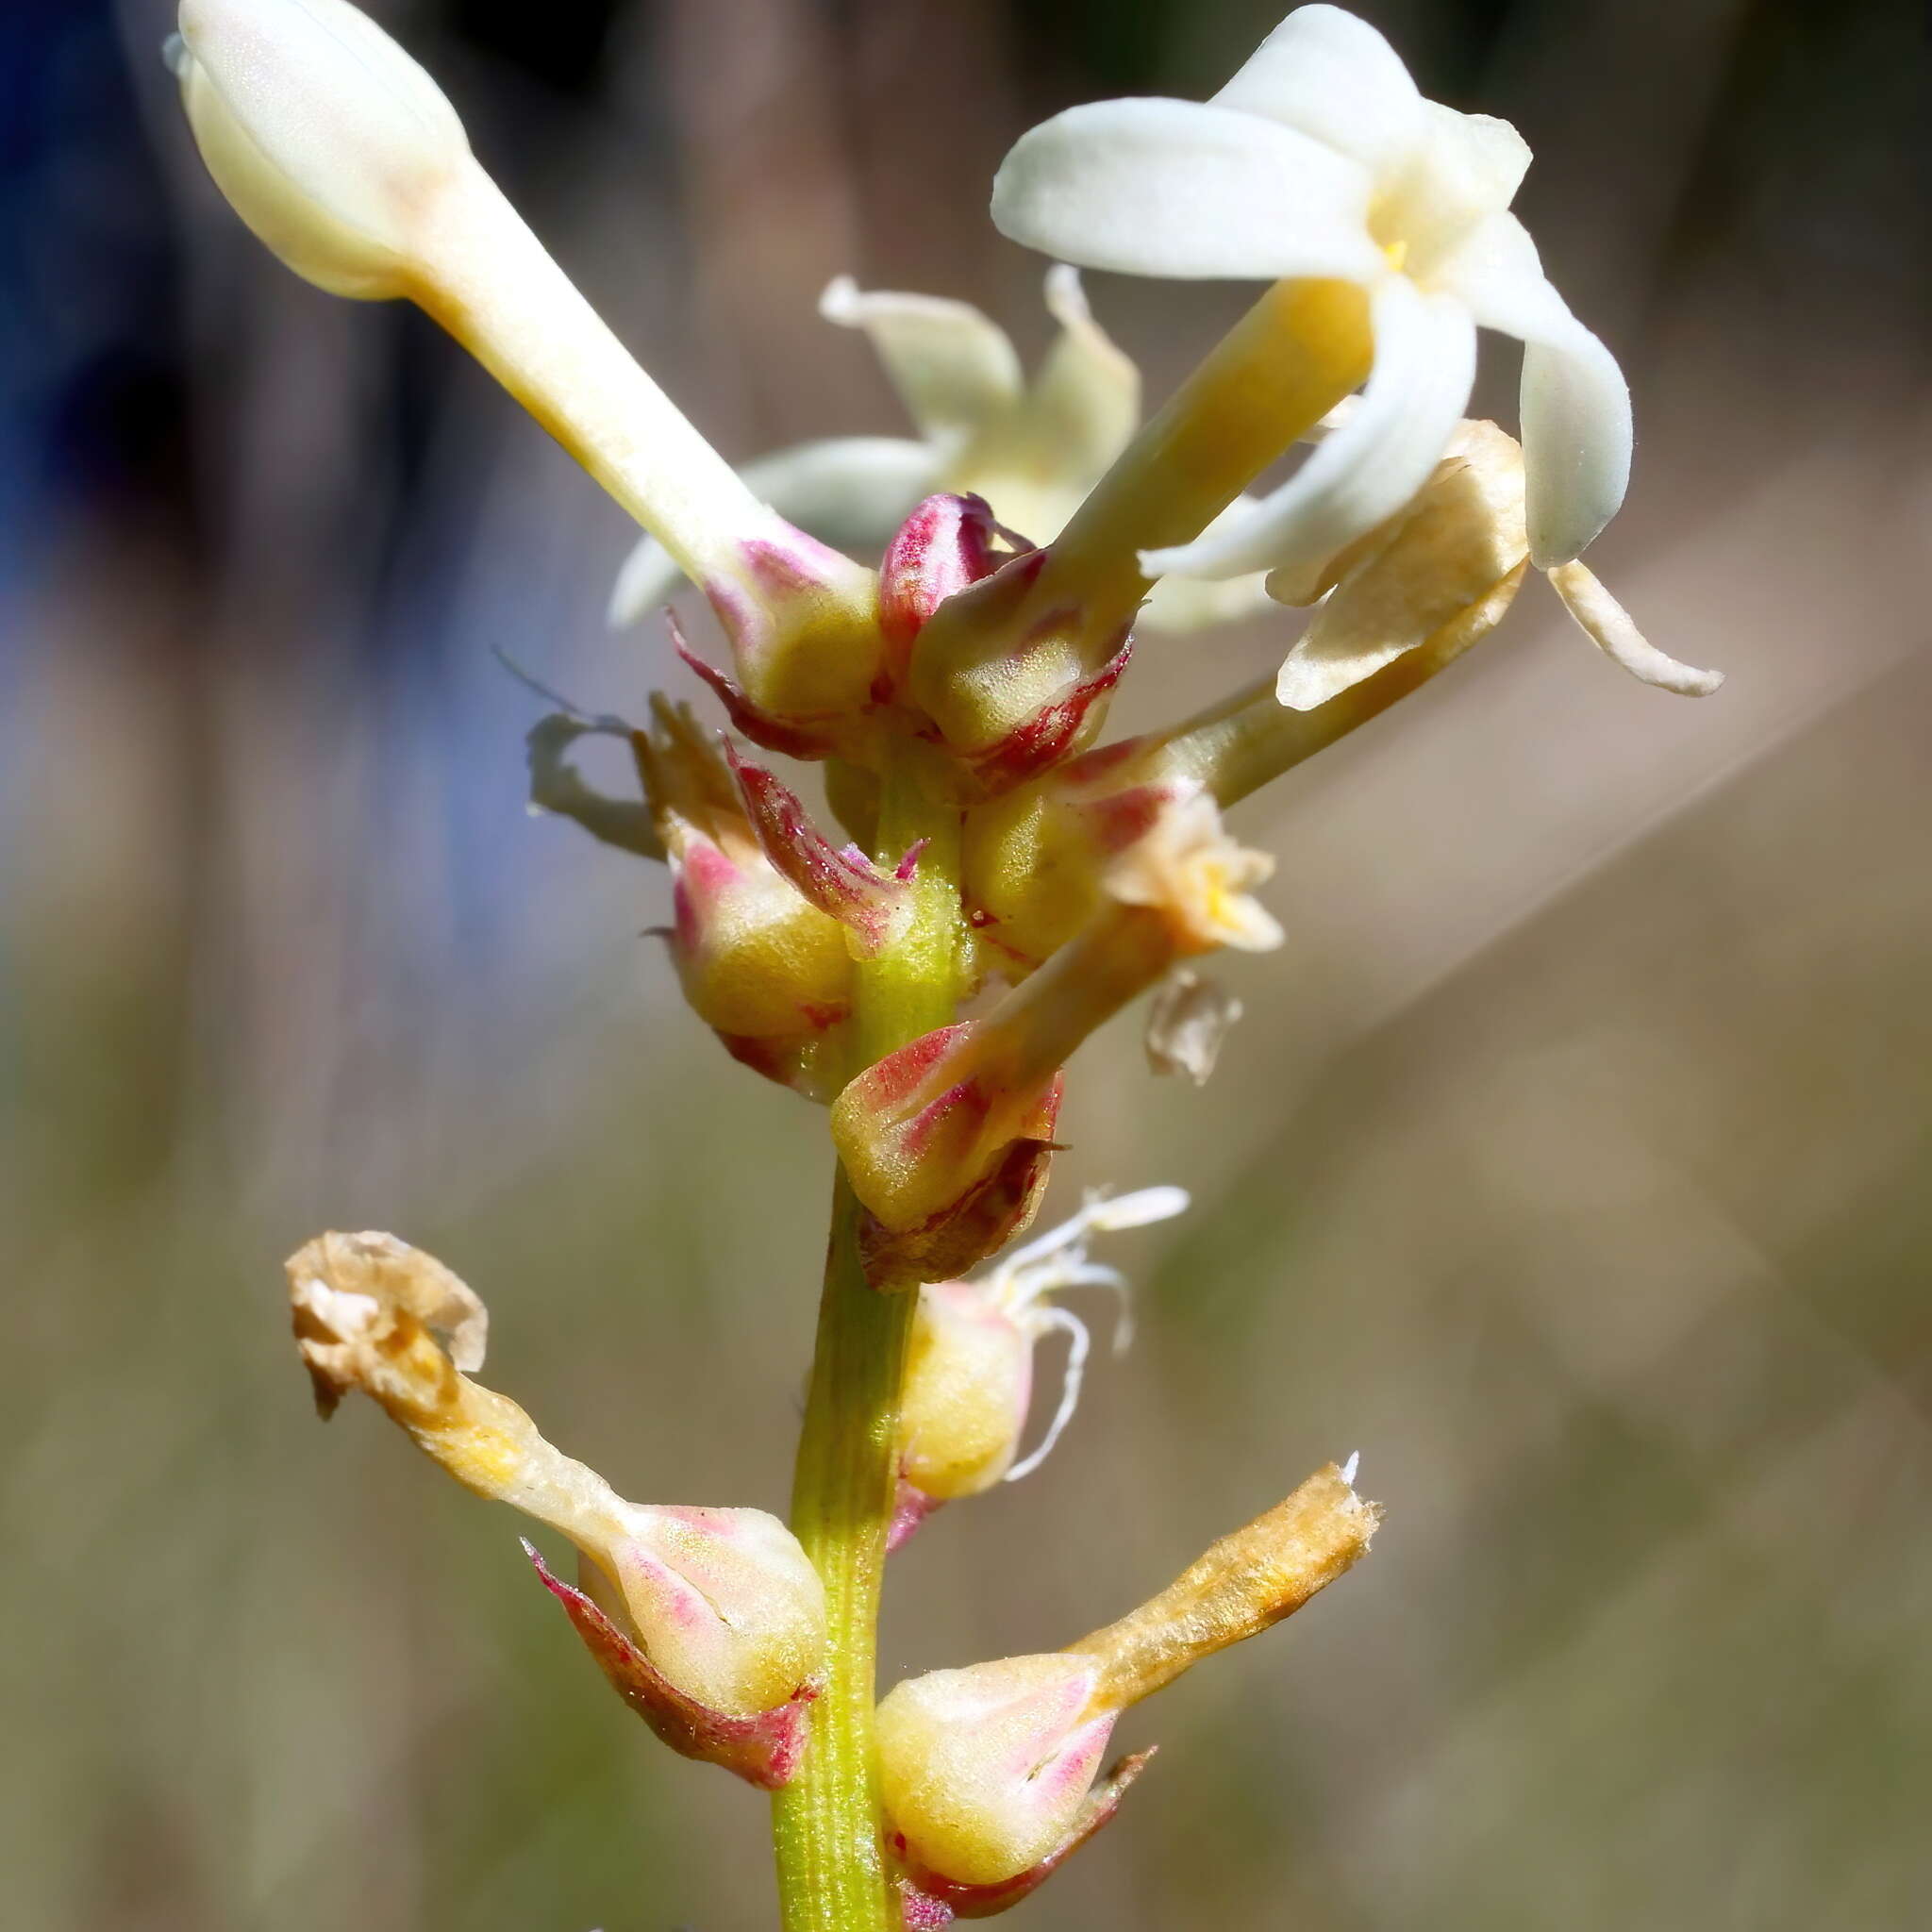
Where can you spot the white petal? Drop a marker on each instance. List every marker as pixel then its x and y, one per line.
pixel 1576 440
pixel 1335 77
pixel 1374 463
pixel 1037 463
pixel 1609 624
pixel 1175 188
pixel 1464 171
pixel 852 491
pixel 954 367
pixel 1575 405
pixel 1085 403
pixel 1496 270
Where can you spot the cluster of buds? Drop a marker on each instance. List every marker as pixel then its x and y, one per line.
pixel 709 1622
pixel 953 692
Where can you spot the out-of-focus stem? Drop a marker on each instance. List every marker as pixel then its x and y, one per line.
pixel 826 1822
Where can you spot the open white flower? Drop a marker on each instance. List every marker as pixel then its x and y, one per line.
pixel 1032 450
pixel 1321 160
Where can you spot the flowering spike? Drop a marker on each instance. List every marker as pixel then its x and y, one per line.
pixel 844 884
pixel 720 1613
pixel 763 1749
pixel 985 1770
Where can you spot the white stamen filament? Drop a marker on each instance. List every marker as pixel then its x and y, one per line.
pixel 1077 1348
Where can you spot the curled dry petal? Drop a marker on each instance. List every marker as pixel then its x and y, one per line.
pixel 723 1604
pixel 1189 1023
pixel 556 787
pixel 356 1295
pixel 1608 626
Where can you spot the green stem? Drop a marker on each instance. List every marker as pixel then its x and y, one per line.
pixel 825 1821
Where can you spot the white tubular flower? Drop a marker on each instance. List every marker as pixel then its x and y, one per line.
pixel 1032 450
pixel 351 165
pixel 1320 159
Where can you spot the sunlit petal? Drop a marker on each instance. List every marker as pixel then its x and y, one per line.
pixel 1364 472
pixel 1576 441
pixel 953 367
pixel 1175 188
pixel 1333 76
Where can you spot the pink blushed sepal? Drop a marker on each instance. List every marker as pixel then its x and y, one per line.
pixel 1053 732
pixel 840 881
pixel 911 1508
pixel 764 1749
pixel 980 1222
pixel 929 1901
pixel 947 545
pixel 802 623
pixel 946 1143
pixel 807 739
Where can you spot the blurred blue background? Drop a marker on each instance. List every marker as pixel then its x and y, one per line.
pixel 1571 1161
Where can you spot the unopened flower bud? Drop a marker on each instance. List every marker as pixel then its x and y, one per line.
pixel 1034 860
pixel 1013 695
pixel 329 141
pixel 969 1375
pixel 710 1621
pixel 984 1772
pixel 768 971
pixel 947 543
pixel 923 1129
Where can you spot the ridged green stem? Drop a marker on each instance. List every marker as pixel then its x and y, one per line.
pixel 825 1821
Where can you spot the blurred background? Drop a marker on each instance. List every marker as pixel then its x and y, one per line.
pixel 1572 1161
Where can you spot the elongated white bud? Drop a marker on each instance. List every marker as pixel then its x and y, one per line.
pixel 348 162
pixel 331 143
